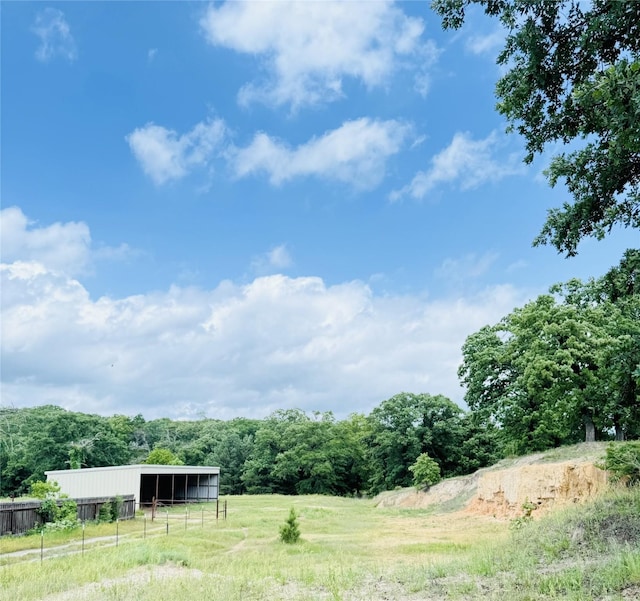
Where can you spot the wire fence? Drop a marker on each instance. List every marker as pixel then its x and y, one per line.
pixel 164 521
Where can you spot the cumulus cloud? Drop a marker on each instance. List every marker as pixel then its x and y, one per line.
pixel 465 163
pixel 55 36
pixel 165 155
pixel 233 349
pixel 275 342
pixel 276 259
pixel 462 272
pixel 355 153
pixel 60 247
pixel 488 44
pixel 309 48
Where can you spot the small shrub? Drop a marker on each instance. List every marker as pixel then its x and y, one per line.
pixel 106 512
pixel 289 531
pixel 67 511
pixel 48 510
pixel 622 460
pixel 521 521
pixel 57 512
pixel 116 506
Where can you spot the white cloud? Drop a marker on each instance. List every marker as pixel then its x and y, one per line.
pixel 355 153
pixel 60 247
pixel 308 48
pixel 164 155
pixel 465 163
pixel 278 258
pixel 276 342
pixel 151 54
pixel 461 272
pixel 488 44
pixel 55 36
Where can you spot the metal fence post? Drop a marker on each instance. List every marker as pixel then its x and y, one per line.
pixel 83 537
pixel 117 531
pixel 41 545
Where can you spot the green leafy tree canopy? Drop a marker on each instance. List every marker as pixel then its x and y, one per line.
pixel 160 456
pixel 573 76
pixel 426 472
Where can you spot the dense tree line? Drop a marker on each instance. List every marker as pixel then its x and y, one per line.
pixel 289 452
pixel 562 369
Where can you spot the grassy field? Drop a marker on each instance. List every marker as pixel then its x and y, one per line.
pixel 349 550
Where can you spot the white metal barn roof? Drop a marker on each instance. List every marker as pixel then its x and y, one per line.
pixel 166 484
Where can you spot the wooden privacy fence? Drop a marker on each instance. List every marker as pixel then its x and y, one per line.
pixel 21 516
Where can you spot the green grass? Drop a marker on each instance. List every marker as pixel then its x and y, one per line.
pixel 349 550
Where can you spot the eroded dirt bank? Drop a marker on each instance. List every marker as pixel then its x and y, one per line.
pixel 502 491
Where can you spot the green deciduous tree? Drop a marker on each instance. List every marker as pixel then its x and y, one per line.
pixel 537 374
pixel 561 364
pixel 618 294
pixel 160 456
pixel 407 425
pixel 426 472
pixel 296 453
pixel 573 76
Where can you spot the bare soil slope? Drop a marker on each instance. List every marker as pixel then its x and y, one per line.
pixel 552 478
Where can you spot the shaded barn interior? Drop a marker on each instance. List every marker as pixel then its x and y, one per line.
pixel 178 488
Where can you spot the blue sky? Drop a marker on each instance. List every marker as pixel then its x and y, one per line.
pixel 225 209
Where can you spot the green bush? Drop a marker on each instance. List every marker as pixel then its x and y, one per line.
pixel 116 506
pixel 426 471
pixel 289 531
pixel 56 515
pixel 526 518
pixel 105 512
pixel 622 460
pixel 44 490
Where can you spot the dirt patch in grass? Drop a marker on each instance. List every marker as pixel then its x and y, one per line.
pixel 133 578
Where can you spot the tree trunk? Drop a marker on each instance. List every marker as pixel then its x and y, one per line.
pixel 589 429
pixel 619 432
